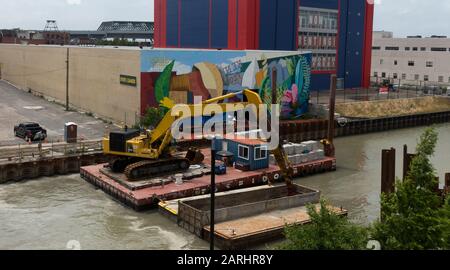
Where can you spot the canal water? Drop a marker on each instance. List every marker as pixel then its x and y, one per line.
pixel 66 212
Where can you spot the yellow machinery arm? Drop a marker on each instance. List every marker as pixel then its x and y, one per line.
pixel 153 144
pixel 163 130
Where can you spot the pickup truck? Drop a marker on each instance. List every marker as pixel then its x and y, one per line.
pixel 30 131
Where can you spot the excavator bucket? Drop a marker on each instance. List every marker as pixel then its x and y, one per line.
pixel 195 156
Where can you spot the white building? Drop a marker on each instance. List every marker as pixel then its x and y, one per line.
pixel 412 60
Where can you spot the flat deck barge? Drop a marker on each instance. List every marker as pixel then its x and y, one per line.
pixel 148 197
pixel 244 218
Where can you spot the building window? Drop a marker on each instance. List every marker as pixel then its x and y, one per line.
pixel 392 48
pixel 411 63
pixel 449 79
pixel 435 49
pixel 395 76
pixel 415 49
pixel 376 48
pixel 407 48
pixel 375 74
pixel 429 64
pixel 403 76
pixel 381 61
pixel 441 79
pixel 416 77
pixel 260 152
pixel 423 49
pixel 383 75
pixel 395 62
pixel 426 78
pixel 243 152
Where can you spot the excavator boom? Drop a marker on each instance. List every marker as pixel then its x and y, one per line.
pixel 148 149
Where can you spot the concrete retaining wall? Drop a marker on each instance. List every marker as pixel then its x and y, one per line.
pixel 94 77
pixel 48 167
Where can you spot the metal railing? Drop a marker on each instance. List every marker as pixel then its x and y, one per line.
pixel 21 152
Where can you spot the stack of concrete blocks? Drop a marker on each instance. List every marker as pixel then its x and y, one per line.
pixel 299 153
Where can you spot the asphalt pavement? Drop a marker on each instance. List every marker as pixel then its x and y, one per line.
pixel 18 106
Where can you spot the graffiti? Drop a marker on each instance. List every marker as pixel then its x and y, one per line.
pixel 182 74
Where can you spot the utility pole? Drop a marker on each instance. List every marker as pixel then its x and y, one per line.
pixel 214 142
pixel 67 80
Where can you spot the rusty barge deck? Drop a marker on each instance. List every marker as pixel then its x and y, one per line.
pixel 148 197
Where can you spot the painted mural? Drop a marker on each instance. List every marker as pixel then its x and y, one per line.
pixel 183 74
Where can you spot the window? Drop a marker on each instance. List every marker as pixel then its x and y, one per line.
pixel 260 152
pixel 415 49
pixel 449 79
pixel 423 49
pixel 441 79
pixel 407 48
pixel 376 48
pixel 416 77
pixel 375 74
pixel 383 75
pixel 392 48
pixel 426 78
pixel 403 76
pixel 411 63
pixel 243 152
pixel 395 76
pixel 429 64
pixel 435 49
pixel 395 62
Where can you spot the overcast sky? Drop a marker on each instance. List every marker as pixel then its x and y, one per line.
pixel 403 17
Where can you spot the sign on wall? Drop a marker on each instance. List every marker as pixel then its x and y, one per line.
pixel 128 80
pixel 318 33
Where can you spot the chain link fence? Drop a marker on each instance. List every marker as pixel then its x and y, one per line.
pixel 384 89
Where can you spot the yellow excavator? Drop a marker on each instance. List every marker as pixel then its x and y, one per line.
pixel 140 155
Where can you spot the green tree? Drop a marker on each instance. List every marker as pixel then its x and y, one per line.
pixel 327 231
pixel 412 217
pixel 152 117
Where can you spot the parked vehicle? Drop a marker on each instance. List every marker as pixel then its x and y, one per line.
pixel 30 131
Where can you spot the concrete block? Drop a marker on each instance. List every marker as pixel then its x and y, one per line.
pixel 319 154
pixel 311 145
pixel 289 149
pixel 304 158
pixel 272 160
pixel 298 148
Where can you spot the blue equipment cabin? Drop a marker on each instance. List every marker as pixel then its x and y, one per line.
pixel 249 154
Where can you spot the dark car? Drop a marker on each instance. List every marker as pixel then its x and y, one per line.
pixel 30 131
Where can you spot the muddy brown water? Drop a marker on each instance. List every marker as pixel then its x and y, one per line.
pixel 49 213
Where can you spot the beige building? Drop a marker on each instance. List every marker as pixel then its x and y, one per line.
pixel 412 60
pixel 94 77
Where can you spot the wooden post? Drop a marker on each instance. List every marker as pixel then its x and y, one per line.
pixel 67 81
pixel 329 149
pixel 406 163
pixel 447 183
pixel 407 159
pixel 388 171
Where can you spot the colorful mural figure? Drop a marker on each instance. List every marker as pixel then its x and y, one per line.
pixel 182 74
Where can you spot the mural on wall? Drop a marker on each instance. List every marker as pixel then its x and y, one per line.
pixel 183 74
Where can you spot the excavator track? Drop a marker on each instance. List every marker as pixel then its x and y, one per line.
pixel 153 168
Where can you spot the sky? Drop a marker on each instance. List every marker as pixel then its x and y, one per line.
pixel 403 17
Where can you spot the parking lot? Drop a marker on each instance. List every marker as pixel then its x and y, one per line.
pixel 19 106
